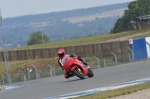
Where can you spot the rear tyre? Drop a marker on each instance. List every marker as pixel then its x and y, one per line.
pixel 78 73
pixel 90 73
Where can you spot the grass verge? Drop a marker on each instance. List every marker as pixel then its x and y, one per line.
pixel 117 92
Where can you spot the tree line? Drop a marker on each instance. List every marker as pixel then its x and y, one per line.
pixel 127 21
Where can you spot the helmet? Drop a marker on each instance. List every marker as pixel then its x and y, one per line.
pixel 61 53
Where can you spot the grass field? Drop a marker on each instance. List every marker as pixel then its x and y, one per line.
pixel 87 40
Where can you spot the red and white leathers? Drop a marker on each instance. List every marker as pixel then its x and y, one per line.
pixel 60 61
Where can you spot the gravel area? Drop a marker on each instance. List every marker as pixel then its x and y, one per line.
pixel 143 94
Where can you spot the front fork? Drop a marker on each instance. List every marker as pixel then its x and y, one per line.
pixel 84 69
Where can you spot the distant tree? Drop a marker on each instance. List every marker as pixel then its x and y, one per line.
pixel 135 9
pixel 36 38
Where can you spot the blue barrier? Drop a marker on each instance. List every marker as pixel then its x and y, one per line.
pixel 139 49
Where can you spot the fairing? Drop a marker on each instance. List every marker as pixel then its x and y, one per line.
pixel 70 63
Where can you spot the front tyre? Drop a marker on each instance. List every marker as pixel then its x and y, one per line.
pixel 90 73
pixel 78 73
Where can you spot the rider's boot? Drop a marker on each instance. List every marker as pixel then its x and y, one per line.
pixel 67 75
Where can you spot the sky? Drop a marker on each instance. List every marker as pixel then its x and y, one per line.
pixel 14 8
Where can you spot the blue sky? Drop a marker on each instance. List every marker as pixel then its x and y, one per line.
pixel 12 8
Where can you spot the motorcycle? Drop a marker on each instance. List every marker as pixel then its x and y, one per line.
pixel 76 68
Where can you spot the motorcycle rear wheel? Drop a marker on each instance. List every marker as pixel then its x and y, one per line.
pixel 78 73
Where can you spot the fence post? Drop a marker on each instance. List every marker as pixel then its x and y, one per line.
pixel 28 73
pixel 129 57
pixel 149 47
pixel 51 70
pixel 115 57
pixel 132 53
pixel 36 72
pixel 98 61
pixel 24 77
pixel 3 79
pixel 104 62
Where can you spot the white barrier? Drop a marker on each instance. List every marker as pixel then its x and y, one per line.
pixel 148 46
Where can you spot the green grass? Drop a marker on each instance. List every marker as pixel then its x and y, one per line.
pixel 117 92
pixel 22 64
pixel 87 40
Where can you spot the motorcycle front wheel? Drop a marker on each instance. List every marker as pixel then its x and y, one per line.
pixel 91 73
pixel 78 73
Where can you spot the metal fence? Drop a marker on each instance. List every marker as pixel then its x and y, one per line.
pixel 48 70
pixel 32 73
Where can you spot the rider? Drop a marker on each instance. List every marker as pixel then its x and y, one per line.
pixel 61 53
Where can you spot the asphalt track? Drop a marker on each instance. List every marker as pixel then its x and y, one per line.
pixel 58 85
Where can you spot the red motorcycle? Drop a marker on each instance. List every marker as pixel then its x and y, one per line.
pixel 76 67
